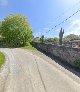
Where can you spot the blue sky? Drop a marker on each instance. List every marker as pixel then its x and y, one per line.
pixel 42 15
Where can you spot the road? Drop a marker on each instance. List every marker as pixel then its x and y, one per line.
pixel 27 72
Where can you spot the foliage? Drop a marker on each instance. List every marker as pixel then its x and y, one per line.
pixel 16 30
pixel 0 32
pixel 42 38
pixel 2 58
pixel 61 36
pixel 71 37
pixel 52 40
pixel 30 47
pixel 77 62
pixel 0 24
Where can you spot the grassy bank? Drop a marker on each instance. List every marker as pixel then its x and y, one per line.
pixel 29 47
pixel 2 59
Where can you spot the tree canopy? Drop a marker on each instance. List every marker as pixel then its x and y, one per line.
pixel 42 38
pixel 16 30
pixel 52 39
pixel 71 37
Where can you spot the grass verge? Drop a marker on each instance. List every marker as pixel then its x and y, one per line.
pixel 29 47
pixel 2 59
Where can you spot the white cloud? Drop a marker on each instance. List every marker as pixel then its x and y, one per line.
pixel 74 28
pixel 3 2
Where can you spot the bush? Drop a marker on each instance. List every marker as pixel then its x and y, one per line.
pixel 77 62
pixel 29 46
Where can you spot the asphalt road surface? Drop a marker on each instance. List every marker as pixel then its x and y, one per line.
pixel 26 72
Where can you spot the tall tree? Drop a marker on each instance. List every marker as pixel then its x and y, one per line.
pixel 16 30
pixel 42 38
pixel 0 25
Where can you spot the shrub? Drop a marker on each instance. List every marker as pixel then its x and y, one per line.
pixel 77 62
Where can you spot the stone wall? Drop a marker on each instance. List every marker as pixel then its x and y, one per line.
pixel 66 54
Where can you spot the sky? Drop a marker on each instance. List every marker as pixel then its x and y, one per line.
pixel 44 15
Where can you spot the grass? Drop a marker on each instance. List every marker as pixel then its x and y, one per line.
pixel 2 59
pixel 77 62
pixel 29 47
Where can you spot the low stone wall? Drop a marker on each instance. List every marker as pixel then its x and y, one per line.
pixel 66 54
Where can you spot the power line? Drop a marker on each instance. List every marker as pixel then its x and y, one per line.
pixel 67 10
pixel 65 20
pixel 64 14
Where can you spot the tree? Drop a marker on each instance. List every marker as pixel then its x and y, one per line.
pixel 0 26
pixel 55 39
pixel 0 29
pixel 42 38
pixel 52 39
pixel 72 37
pixel 49 39
pixel 16 30
pixel 61 36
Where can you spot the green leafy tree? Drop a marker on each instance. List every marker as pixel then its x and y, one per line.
pixel 0 27
pixel 16 30
pixel 55 39
pixel 0 24
pixel 71 37
pixel 52 39
pixel 42 38
pixel 0 31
